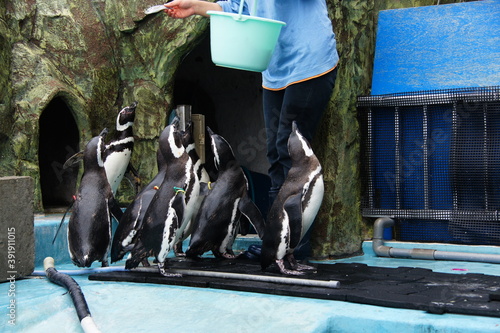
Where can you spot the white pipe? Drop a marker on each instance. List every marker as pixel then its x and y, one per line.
pixel 386 251
pixel 260 278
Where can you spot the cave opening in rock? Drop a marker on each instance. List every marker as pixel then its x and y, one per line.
pixel 231 101
pixel 58 140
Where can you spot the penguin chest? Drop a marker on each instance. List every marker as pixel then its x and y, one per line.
pixel 168 237
pixel 232 228
pixel 311 201
pixel 284 237
pixel 191 195
pixel 116 164
pixel 164 222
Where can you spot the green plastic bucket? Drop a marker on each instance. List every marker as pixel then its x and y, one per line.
pixel 242 41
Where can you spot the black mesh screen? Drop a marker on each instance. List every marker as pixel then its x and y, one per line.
pixel 431 160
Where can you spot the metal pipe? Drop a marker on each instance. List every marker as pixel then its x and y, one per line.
pixel 429 254
pixel 260 278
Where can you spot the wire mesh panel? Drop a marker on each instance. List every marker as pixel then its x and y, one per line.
pixel 431 160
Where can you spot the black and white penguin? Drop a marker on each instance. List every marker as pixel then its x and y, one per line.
pixel 203 178
pixel 217 222
pixel 132 220
pixel 89 228
pixel 119 150
pixel 294 208
pixel 171 206
pixel 189 145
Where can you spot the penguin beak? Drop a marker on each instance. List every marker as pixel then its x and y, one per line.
pixel 175 122
pixel 130 108
pixel 104 132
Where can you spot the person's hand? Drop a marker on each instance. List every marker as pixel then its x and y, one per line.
pixel 186 8
pixel 180 8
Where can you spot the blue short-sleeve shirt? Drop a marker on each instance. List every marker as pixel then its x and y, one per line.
pixel 306 47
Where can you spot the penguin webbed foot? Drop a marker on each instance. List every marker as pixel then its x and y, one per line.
pixel 138 255
pixel 164 272
pixel 296 266
pixel 178 250
pixel 303 267
pixel 286 271
pixel 104 263
pixel 227 255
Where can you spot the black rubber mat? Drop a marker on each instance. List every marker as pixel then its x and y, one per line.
pixel 403 287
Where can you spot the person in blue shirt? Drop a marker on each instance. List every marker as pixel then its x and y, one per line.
pixel 299 80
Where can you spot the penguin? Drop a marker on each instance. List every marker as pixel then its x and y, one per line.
pixel 116 155
pixel 119 150
pixel 203 178
pixel 188 143
pixel 217 222
pixel 294 208
pixel 132 220
pixel 171 206
pixel 89 227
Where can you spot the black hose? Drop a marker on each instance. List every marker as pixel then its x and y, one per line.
pixel 66 281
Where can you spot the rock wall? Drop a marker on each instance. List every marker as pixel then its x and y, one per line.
pixel 97 56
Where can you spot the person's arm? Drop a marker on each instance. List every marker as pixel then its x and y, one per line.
pixel 186 8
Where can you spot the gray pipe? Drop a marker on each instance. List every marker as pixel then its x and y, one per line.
pixel 261 278
pixel 386 251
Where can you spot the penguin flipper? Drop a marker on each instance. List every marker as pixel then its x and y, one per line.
pixel 115 210
pixel 132 170
pixel 252 214
pixel 62 220
pixel 180 203
pixel 73 160
pixel 139 254
pixel 133 177
pixel 206 187
pixel 244 225
pixel 126 230
pixel 293 208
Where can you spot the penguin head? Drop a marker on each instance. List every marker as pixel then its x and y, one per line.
pixel 126 117
pixel 93 155
pixel 298 146
pixel 188 141
pixel 171 142
pixel 187 135
pixel 223 153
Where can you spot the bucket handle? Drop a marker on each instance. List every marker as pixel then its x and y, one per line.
pixel 240 10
